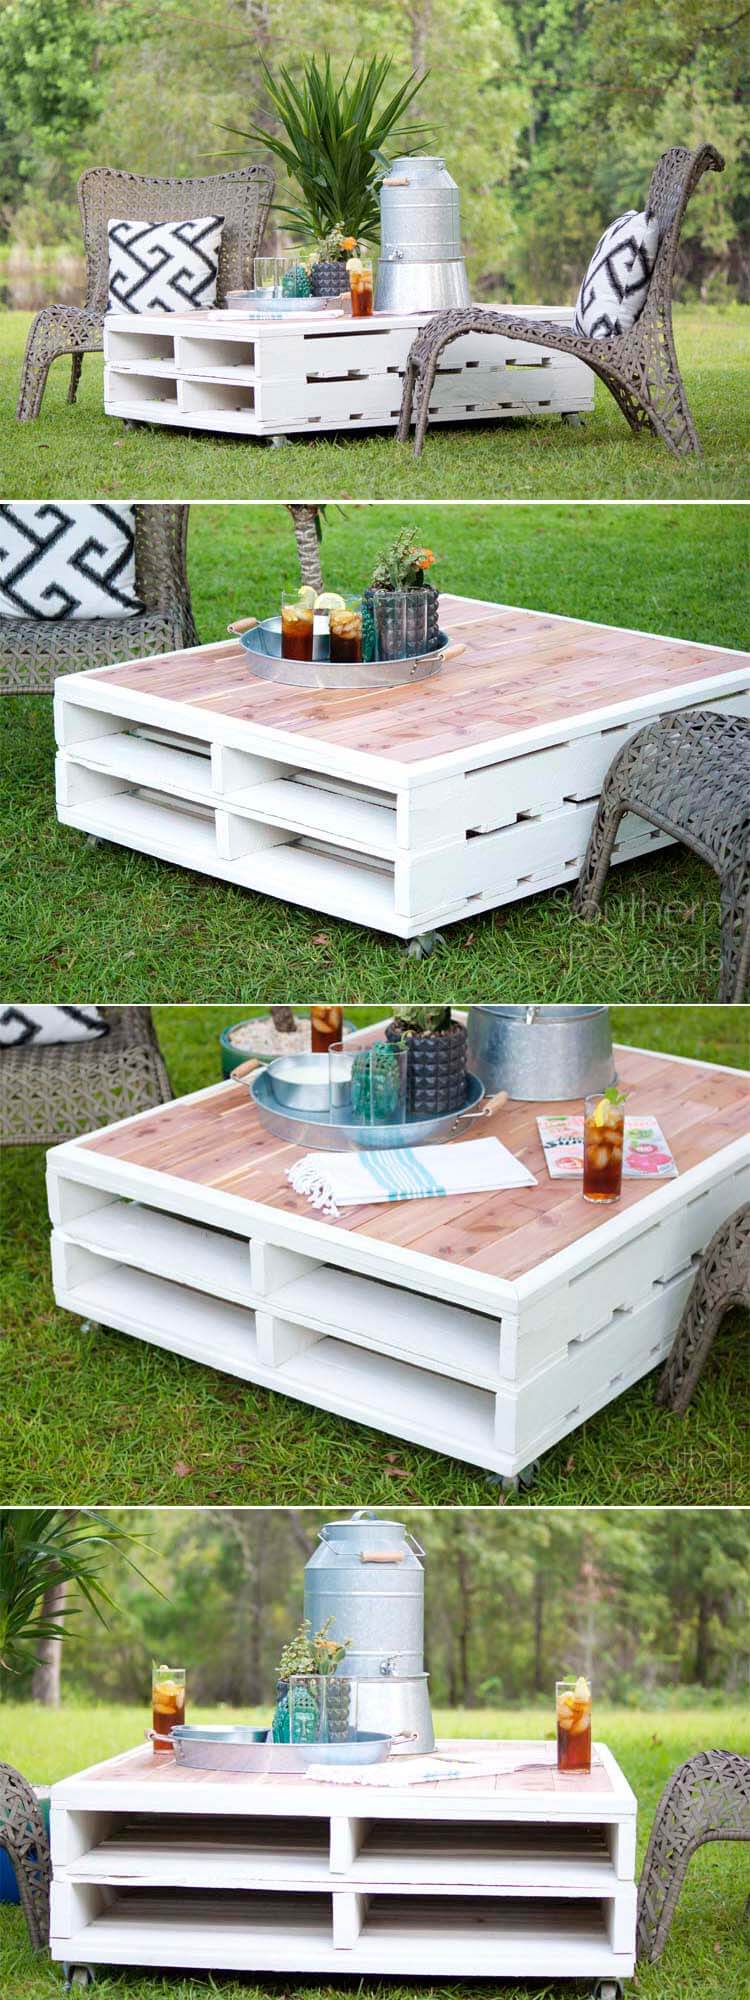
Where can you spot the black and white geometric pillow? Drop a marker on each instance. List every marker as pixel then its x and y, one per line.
pixel 61 559
pixel 36 1027
pixel 614 290
pixel 163 266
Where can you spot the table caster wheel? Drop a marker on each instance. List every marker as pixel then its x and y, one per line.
pixel 426 944
pixel 608 1989
pixel 518 1482
pixel 78 1975
pixel 92 840
pixel 573 419
pixel 276 442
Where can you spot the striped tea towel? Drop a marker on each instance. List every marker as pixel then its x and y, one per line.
pixel 333 1181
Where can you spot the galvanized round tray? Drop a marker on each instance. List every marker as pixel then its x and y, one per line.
pixel 261 639
pixel 340 1132
pixel 253 1751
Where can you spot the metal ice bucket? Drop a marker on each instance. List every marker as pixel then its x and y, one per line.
pixel 541 1053
pixel 420 268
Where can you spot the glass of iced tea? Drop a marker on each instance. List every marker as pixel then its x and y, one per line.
pixel 297 623
pixel 345 631
pixel 360 286
pixel 326 1024
pixel 573 1705
pixel 603 1138
pixel 167 1702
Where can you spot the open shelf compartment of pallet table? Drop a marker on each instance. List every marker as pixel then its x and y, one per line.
pixel 530 1872
pixel 486 1327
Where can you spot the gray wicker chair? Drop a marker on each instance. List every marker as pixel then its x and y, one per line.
pixel 639 368
pixel 688 774
pixel 722 1280
pixel 34 651
pixel 57 1092
pixel 708 1798
pixel 24 1837
pixel 242 198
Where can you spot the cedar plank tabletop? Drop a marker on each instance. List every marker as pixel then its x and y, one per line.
pixel 521 670
pixel 539 1775
pixel 220 1142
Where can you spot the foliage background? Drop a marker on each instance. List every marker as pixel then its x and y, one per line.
pixel 652 1604
pixel 550 112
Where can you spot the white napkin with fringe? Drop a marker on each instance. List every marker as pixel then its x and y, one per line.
pixel 333 1181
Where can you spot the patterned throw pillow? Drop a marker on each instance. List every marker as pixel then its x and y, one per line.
pixel 614 290
pixel 163 266
pixel 35 1027
pixel 59 559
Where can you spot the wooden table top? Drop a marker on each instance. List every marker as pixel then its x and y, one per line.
pixel 521 670
pixel 531 1770
pixel 219 1141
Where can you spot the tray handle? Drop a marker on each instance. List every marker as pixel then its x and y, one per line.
pixel 486 1110
pixel 244 1069
pixel 452 652
pixel 241 625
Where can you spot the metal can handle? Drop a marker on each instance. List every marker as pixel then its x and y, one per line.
pixel 360 1514
pixel 396 181
pixel 412 1540
pixel 382 1556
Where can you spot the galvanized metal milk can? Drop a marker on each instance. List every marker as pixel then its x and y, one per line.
pixel 420 268
pixel 367 1577
pixel 541 1053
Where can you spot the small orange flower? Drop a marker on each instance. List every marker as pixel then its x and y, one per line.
pixel 348 242
pixel 426 558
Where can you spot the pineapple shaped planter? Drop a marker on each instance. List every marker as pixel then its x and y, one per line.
pixel 338 1707
pixel 435 1048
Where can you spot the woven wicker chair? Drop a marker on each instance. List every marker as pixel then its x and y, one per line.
pixel 34 651
pixel 722 1280
pixel 708 1798
pixel 57 1092
pixel 243 199
pixel 639 368
pixel 688 774
pixel 24 1836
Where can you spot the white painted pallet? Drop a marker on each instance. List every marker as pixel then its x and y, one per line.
pixel 486 1369
pixel 529 1874
pixel 402 846
pixel 217 371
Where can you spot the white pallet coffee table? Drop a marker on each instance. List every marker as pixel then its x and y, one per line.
pixel 523 1873
pixel 404 809
pixel 484 1326
pixel 217 371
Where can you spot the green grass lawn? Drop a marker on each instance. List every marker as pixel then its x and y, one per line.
pixel 91 1415
pixel 707 1950
pixel 81 453
pixel 107 922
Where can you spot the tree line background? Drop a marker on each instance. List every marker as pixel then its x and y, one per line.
pixel 550 113
pixel 653 1604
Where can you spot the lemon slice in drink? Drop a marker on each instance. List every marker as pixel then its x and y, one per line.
pixel 601 1114
pixel 329 600
pixel 306 597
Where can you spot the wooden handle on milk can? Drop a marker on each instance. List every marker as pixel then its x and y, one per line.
pixel 382 1557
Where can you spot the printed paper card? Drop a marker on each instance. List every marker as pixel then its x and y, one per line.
pixel 647 1157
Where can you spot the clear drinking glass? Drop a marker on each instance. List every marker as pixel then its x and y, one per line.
pixel 297 625
pixel 167 1703
pixel 401 622
pixel 322 1708
pixel 345 632
pixel 603 1137
pixel 269 274
pixel 573 1710
pixel 326 1024
pixel 368 1086
pixel 360 286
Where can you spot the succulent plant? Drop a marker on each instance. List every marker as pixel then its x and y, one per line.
pixel 401 566
pixel 422 1020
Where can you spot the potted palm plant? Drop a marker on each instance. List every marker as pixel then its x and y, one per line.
pixel 435 1047
pixel 332 144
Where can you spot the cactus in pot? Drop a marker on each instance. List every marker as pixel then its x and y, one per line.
pixel 435 1047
